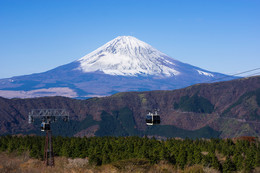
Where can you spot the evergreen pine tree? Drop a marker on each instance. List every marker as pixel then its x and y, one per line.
pixel 228 166
pixel 214 162
pixel 190 157
pixel 238 161
pixel 182 158
pixel 249 160
pixel 257 158
pixel 197 156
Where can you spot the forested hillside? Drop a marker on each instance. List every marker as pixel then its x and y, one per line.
pixel 222 109
pixel 223 155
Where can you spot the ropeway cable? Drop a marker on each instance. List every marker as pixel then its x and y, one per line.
pixel 235 74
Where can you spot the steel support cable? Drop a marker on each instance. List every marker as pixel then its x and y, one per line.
pixel 235 74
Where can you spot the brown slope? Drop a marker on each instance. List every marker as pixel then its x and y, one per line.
pixel 13 112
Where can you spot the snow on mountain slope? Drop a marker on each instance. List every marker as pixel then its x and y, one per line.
pixel 205 73
pixel 128 56
pixel 123 64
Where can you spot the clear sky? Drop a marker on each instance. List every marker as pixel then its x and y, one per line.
pixel 217 35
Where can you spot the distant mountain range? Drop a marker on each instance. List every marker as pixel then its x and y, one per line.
pixel 222 109
pixel 123 64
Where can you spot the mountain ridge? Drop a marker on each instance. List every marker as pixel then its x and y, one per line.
pixel 236 111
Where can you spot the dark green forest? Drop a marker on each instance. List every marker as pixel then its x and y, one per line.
pixel 238 155
pixel 195 104
pixel 252 115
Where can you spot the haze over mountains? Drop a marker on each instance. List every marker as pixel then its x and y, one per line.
pixel 123 64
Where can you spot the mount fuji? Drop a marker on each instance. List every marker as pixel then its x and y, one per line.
pixel 123 64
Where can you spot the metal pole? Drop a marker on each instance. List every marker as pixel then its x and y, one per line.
pixel 46 148
pixel 51 155
pixel 48 151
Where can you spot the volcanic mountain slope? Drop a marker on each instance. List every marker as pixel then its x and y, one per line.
pixel 123 64
pixel 223 109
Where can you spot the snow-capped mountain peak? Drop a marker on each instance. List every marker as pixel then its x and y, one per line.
pixel 128 56
pixel 123 64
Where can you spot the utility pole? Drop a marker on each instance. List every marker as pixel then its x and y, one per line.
pixel 48 116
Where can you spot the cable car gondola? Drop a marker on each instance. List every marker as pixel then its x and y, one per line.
pixel 153 118
pixel 45 126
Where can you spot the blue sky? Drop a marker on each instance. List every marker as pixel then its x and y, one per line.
pixel 217 35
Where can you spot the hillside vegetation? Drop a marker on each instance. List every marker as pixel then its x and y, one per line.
pixel 195 104
pixel 222 155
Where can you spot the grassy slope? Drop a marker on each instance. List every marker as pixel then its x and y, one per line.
pixel 23 163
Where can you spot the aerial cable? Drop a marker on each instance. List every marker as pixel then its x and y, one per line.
pixel 245 72
pixel 254 74
pixel 235 74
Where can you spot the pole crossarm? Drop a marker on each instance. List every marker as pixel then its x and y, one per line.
pixel 48 114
